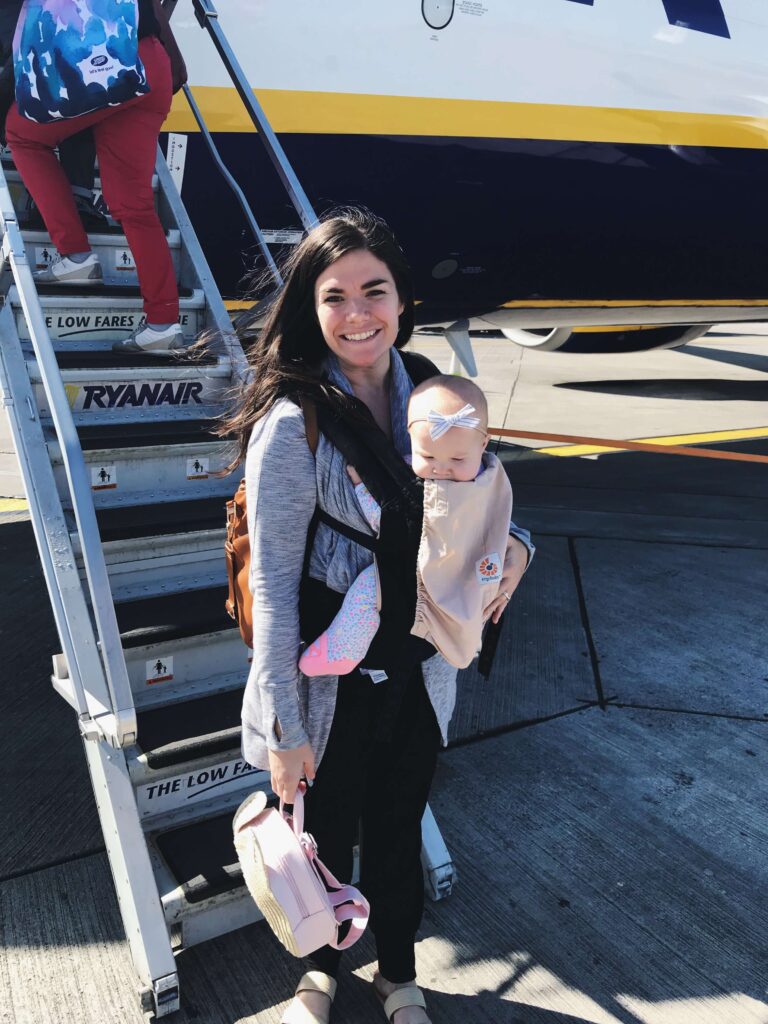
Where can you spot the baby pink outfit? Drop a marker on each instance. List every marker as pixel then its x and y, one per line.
pixel 346 641
pixel 460 564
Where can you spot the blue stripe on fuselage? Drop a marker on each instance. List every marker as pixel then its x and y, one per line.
pixel 699 15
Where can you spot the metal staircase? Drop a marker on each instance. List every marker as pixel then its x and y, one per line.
pixel 118 457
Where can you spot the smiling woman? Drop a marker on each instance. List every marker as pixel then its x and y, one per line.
pixel 358 309
pixel 368 740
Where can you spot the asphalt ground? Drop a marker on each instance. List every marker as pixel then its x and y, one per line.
pixel 604 795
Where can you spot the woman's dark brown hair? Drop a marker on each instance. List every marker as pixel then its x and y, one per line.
pixel 288 356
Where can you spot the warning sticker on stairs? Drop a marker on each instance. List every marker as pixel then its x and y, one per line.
pixel 44 256
pixel 197 469
pixel 103 478
pixel 159 671
pixel 124 260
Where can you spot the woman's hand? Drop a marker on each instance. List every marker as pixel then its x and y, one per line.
pixel 515 563
pixel 288 767
pixel 354 476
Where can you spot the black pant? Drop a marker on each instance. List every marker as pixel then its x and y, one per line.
pixel 384 786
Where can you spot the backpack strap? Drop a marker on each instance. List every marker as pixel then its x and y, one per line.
pixel 348 903
pixel 418 367
pixel 311 429
pixel 363 539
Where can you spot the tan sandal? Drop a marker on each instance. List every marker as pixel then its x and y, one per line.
pixel 312 981
pixel 408 995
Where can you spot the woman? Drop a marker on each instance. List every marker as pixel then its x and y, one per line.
pixel 126 145
pixel 366 747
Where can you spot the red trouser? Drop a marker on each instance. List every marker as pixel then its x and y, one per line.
pixel 126 145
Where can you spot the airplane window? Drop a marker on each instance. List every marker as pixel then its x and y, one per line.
pixel 437 13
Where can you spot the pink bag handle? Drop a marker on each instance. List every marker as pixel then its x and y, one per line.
pixel 356 908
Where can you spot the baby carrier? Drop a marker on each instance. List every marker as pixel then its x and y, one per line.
pixel 393 486
pixel 72 57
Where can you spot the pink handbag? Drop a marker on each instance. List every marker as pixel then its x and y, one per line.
pixel 303 903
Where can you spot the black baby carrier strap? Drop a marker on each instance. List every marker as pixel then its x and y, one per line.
pixel 399 494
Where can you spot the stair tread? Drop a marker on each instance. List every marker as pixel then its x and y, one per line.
pixel 173 616
pixel 107 291
pixel 162 518
pixel 191 728
pixel 37 226
pixel 202 857
pixel 107 359
pixel 138 435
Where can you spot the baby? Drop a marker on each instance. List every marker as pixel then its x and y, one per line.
pixel 464 534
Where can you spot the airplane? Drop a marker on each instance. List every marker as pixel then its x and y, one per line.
pixel 579 174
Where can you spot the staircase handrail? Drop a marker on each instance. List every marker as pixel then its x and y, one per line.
pixel 208 18
pixel 118 723
pixel 231 181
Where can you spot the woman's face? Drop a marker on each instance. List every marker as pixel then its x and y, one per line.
pixel 358 309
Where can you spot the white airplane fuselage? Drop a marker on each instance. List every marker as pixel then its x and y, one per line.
pixel 555 160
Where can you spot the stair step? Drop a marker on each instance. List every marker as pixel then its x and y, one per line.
pixel 104 358
pixel 171 671
pixel 191 729
pixel 126 482
pixel 115 395
pixel 169 617
pixel 150 566
pixel 177 669
pixel 156 520
pixel 149 463
pixel 117 263
pixel 82 320
pixel 201 858
pixel 12 176
pixel 195 789
pixel 146 435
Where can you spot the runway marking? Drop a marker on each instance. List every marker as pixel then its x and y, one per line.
pixel 13 505
pixel 675 444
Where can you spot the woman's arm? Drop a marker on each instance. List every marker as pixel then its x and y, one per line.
pixel 281 494
pixel 519 553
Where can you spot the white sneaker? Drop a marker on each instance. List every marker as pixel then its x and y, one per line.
pixel 156 343
pixel 63 270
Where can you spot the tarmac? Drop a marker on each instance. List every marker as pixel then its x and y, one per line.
pixel 605 794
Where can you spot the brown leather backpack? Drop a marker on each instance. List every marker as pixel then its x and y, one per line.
pixel 237 547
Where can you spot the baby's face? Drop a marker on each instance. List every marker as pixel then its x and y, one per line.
pixel 457 455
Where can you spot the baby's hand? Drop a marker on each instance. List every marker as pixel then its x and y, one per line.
pixel 354 476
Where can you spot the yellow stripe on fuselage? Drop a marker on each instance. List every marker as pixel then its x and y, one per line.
pixel 296 111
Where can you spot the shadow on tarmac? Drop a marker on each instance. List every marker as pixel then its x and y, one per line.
pixel 712 390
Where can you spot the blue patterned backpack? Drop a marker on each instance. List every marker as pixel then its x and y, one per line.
pixel 75 56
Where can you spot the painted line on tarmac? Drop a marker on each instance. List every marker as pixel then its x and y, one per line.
pixel 13 505
pixel 676 444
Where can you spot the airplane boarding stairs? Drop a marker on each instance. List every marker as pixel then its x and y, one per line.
pixel 118 457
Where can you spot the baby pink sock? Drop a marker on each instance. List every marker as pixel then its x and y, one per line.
pixel 344 644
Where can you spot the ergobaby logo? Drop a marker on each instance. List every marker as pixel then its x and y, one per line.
pixel 488 569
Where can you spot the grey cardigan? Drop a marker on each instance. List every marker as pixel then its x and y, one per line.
pixel 284 482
